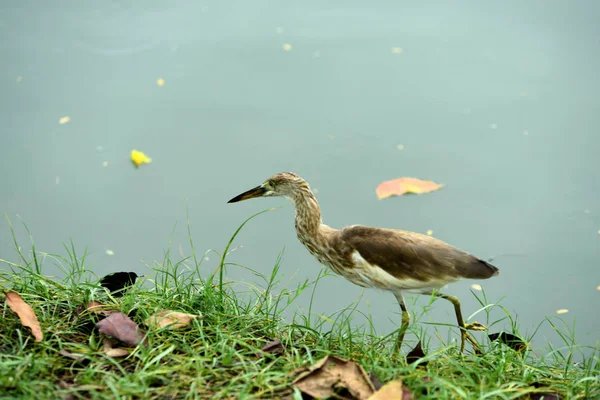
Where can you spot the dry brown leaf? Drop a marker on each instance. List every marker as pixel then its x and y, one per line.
pixel 73 356
pixel 120 326
pixel 273 347
pixel 401 186
pixel 416 354
pixel 392 390
pixel 99 308
pixel 117 352
pixel 170 319
pixel 25 313
pixel 331 374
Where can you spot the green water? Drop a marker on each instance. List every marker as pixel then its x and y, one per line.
pixel 497 101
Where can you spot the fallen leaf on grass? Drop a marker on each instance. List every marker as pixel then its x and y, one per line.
pixel 512 341
pixel 99 308
pixel 118 282
pixel 25 313
pixel 401 186
pixel 377 384
pixel 120 326
pixel 331 376
pixel 170 319
pixel 73 356
pixel 109 350
pixel 273 347
pixel 138 158
pixel 392 390
pixel 543 395
pixel 416 354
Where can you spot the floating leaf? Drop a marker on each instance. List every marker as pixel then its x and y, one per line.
pixel 512 341
pixel 118 282
pixel 273 347
pixel 120 326
pixel 64 120
pixel 138 158
pixel 25 313
pixel 392 390
pixel 416 354
pixel 331 374
pixel 401 186
pixel 170 319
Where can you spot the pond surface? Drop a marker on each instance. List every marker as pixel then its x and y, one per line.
pixel 497 101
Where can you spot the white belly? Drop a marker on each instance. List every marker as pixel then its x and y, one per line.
pixel 368 275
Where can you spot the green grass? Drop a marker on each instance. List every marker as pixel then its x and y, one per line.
pixel 215 357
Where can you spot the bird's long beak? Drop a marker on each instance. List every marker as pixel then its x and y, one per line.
pixel 258 191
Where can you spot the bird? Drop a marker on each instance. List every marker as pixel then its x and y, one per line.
pixel 390 259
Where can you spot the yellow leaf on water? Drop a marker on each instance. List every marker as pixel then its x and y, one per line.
pixel 476 286
pixel 401 186
pixel 562 311
pixel 138 158
pixel 64 120
pixel 160 82
pixel 287 47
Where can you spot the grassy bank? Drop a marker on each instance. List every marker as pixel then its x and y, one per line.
pixel 219 356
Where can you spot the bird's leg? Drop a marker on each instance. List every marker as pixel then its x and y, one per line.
pixel 405 319
pixel 476 326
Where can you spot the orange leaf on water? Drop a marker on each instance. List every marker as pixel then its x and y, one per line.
pixel 401 186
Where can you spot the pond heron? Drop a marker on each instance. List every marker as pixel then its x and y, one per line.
pixel 389 259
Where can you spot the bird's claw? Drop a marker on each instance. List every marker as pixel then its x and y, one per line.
pixel 475 326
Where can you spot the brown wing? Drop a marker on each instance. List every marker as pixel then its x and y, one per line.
pixel 411 255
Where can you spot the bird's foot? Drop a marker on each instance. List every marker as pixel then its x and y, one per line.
pixel 475 326
pixel 464 337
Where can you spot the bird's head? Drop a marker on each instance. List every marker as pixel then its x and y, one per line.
pixel 284 184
